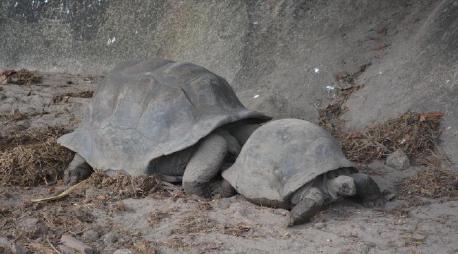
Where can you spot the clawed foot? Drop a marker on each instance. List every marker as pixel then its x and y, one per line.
pixel 222 188
pixel 311 203
pixel 72 177
pixel 379 202
pixel 78 170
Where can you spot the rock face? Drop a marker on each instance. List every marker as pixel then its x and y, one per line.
pixel 418 72
pixel 279 55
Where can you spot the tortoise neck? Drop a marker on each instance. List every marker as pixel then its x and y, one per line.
pixel 243 131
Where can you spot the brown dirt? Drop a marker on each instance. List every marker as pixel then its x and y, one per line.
pixel 156 217
pixel 197 221
pixel 148 215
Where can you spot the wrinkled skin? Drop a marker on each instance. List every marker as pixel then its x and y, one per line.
pixel 309 201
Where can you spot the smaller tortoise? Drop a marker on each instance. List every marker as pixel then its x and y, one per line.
pixel 297 165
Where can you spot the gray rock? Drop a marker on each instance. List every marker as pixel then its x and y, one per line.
pixel 32 227
pixel 7 247
pixel 108 250
pixel 110 238
pixel 320 225
pixel 123 251
pixel 66 250
pixel 4 243
pixel 398 160
pixel 224 203
pixel 73 243
pixel 91 235
pixel 17 249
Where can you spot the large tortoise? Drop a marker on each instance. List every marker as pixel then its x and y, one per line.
pixel 296 164
pixel 178 120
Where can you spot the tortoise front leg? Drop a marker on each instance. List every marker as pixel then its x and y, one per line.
pixel 204 165
pixel 309 202
pixel 77 170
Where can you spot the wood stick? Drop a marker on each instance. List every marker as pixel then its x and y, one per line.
pixel 62 194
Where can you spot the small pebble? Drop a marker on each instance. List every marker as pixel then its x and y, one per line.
pixel 224 203
pixel 418 237
pixel 122 251
pixel 7 246
pixel 64 249
pixel 371 244
pixel 73 243
pixel 320 225
pixel 91 235
pixel 32 227
pixel 110 238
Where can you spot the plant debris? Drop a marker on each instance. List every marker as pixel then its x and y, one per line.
pixel 145 247
pixel 350 78
pixel 414 133
pixel 431 183
pixel 156 216
pixel 125 186
pixel 33 158
pixel 25 77
pixel 19 116
pixel 65 97
pixel 416 138
pixel 60 195
pixel 329 117
pixel 236 230
pixel 4 75
pixel 195 223
pixel 198 222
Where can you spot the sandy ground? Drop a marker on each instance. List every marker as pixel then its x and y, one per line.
pixel 167 221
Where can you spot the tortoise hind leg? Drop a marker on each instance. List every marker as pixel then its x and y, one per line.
pixel 308 204
pixel 367 190
pixel 77 170
pixel 205 165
